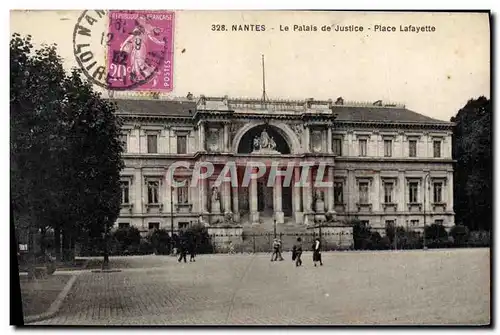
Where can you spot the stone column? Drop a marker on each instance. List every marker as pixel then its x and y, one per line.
pixel 139 199
pixel 204 193
pixel 254 214
pixel 402 192
pixel 226 137
pixel 329 140
pixel 201 136
pixel 236 210
pixel 307 192
pixel 278 203
pixel 330 193
pixel 449 194
pixel 307 197
pixel 375 198
pixel 307 146
pixel 226 198
pixel 297 196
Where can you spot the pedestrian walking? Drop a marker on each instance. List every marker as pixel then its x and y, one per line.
pixel 182 249
pixel 297 252
pixel 280 250
pixel 276 248
pixel 317 252
pixel 192 249
pixel 231 248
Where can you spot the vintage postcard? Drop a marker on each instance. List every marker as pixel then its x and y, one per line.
pixel 182 167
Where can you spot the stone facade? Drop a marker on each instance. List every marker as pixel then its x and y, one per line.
pixel 388 164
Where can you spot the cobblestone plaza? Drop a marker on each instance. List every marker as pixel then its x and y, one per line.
pixel 404 287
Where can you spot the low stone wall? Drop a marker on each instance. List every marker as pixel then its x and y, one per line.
pixel 222 236
pixel 335 237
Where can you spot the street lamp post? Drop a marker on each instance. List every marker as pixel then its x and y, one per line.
pixel 425 203
pixel 274 227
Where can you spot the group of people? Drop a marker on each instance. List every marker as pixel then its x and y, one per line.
pixel 184 246
pixel 297 252
pixel 187 245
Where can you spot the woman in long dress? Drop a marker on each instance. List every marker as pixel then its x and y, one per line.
pixel 317 252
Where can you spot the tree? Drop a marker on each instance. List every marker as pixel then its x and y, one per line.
pixel 460 235
pixel 473 170
pixel 65 149
pixel 127 238
pixel 160 240
pixel 435 232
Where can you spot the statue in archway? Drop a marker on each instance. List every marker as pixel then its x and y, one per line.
pixel 273 144
pixel 256 143
pixel 264 142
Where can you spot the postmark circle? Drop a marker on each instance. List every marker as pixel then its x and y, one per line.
pixel 131 66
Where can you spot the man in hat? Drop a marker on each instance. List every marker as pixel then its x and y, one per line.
pixel 297 252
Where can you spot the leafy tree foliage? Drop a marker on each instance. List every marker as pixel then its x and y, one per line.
pixel 161 242
pixel 65 149
pixel 460 234
pixel 435 232
pixel 127 238
pixel 473 171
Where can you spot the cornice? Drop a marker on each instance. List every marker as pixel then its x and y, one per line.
pixel 307 119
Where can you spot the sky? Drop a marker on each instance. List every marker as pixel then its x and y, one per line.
pixel 433 73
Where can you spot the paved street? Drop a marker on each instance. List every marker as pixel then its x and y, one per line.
pixel 406 287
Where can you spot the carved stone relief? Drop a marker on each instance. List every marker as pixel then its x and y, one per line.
pixel 316 141
pixel 297 129
pixel 213 140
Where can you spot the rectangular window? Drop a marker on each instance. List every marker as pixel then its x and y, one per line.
pixel 125 192
pixel 413 148
pixel 153 187
pixel 438 192
pixel 413 192
pixel 123 142
pixel 182 194
pixel 388 190
pixel 181 144
pixel 338 192
pixel 437 149
pixel 154 225
pixel 123 225
pixel 387 148
pixel 414 223
pixel 439 222
pixel 337 146
pixel 152 144
pixel 363 193
pixel 389 224
pixel 362 147
pixel 183 225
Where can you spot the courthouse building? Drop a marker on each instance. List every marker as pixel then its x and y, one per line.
pixel 389 165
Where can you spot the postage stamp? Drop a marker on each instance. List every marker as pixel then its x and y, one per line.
pixel 138 49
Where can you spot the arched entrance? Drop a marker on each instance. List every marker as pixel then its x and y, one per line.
pixel 265 193
pixel 246 143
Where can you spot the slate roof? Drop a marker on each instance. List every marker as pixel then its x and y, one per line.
pixel 381 114
pixel 155 107
pixel 344 113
